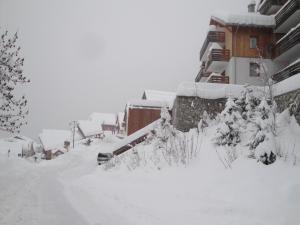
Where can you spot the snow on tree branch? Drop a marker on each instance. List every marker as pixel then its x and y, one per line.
pixel 13 108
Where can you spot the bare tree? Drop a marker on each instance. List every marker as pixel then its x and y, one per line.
pixel 13 108
pixel 268 82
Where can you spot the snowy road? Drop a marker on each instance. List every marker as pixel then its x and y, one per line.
pixel 33 196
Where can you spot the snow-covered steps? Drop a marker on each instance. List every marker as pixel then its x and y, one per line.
pixel 134 139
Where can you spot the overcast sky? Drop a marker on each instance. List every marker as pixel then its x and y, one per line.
pixel 85 56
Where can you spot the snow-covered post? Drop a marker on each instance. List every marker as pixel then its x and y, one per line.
pixel 73 125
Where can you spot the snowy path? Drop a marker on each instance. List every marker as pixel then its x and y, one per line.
pixel 33 196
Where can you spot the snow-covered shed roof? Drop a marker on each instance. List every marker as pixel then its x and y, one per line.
pixel 89 127
pixel 159 95
pixel 52 139
pixel 245 19
pixel 104 118
pixel 142 103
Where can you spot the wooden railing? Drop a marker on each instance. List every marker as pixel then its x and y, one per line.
pixel 287 72
pixel 202 73
pixel 220 55
pixel 266 5
pixel 287 42
pixel 289 9
pixel 219 79
pixel 212 36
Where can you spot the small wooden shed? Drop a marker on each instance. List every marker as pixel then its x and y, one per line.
pixel 140 113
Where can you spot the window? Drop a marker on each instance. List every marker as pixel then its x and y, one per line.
pixel 254 69
pixel 253 42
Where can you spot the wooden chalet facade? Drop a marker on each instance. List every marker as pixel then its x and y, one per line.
pixel 238 46
pixel 140 113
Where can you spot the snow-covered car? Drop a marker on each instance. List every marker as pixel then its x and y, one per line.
pixel 103 157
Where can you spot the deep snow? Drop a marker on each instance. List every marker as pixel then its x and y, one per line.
pixel 72 189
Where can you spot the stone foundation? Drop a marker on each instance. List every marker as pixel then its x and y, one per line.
pixel 285 100
pixel 188 111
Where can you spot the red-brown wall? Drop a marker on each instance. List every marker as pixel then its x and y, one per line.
pixel 138 118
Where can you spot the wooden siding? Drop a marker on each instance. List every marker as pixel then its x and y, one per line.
pixel 138 118
pixel 241 42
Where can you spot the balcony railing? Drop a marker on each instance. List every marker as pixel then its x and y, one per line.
pixel 218 55
pixel 287 72
pixel 212 36
pixel 266 5
pixel 219 79
pixel 290 40
pixel 202 73
pixel 286 11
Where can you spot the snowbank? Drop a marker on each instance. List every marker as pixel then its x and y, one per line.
pixel 205 193
pixel 215 91
pixel 209 90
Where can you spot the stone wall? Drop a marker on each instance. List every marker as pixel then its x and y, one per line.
pixel 285 100
pixel 188 111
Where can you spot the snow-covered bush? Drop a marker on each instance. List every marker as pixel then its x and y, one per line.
pixel 251 117
pixel 176 147
pixel 228 131
pixel 164 147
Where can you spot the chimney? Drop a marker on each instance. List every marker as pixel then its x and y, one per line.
pixel 251 6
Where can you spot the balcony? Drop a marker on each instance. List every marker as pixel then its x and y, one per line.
pixel 287 72
pixel 202 73
pixel 218 60
pixel 288 16
pixel 289 45
pixel 218 79
pixel 212 36
pixel 270 7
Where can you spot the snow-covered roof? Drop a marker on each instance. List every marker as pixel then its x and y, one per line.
pixel 141 103
pixel 245 19
pixel 89 127
pixel 52 139
pixel 159 95
pixel 104 118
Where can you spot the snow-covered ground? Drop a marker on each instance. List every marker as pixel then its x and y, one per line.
pixel 73 189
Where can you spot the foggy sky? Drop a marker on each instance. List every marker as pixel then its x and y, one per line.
pixel 94 55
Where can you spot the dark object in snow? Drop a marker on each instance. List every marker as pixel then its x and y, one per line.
pixel 268 159
pixel 103 157
pixel 88 142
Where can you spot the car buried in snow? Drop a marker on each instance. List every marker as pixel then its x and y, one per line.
pixel 103 157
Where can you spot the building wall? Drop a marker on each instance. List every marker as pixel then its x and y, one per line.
pixel 238 70
pixel 138 118
pixel 284 101
pixel 228 39
pixel 241 41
